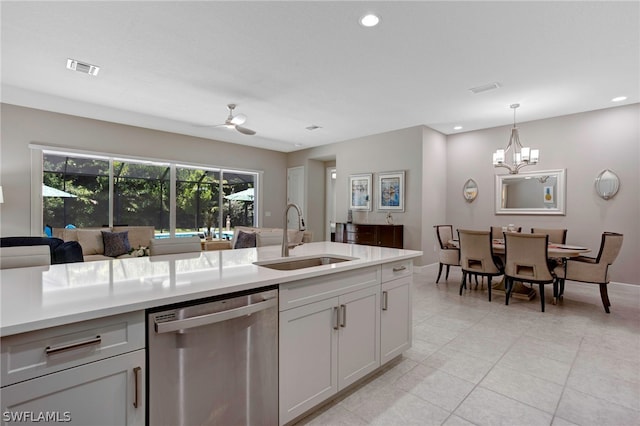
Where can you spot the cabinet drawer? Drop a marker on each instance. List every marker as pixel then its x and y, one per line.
pixel 28 355
pixel 302 292
pixel 391 271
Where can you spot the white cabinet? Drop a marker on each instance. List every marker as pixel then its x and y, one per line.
pixel 92 372
pixel 308 357
pixel 106 392
pixel 329 343
pixel 358 335
pixel 396 314
pixel 395 318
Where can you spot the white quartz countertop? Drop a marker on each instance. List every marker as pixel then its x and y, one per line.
pixel 40 297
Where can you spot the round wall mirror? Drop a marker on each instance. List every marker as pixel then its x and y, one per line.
pixel 607 184
pixel 470 190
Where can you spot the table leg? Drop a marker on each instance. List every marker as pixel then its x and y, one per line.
pixel 520 291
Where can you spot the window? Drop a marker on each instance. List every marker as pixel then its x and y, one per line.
pixel 94 191
pixel 141 194
pixel 75 191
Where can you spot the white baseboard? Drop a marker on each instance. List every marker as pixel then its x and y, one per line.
pixel 433 267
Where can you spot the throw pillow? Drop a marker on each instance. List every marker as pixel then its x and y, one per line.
pixel 245 240
pixel 116 243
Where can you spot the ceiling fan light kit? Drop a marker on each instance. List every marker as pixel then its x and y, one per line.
pixel 234 121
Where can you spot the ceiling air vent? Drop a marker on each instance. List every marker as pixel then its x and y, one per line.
pixel 82 67
pixel 484 88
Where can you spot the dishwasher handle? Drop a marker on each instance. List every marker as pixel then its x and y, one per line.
pixel 198 321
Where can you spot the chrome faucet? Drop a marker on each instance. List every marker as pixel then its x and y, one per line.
pixel 285 233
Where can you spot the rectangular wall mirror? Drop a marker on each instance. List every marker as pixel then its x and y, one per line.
pixel 533 193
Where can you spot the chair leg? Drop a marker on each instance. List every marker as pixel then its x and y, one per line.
pixel 439 272
pixel 507 288
pixel 561 289
pixel 476 281
pixel 446 277
pixel 555 291
pixel 542 296
pixel 489 287
pixel 605 297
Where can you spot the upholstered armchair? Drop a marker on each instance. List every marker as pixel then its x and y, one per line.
pixel 448 254
pixel 24 256
pixel 526 261
pixel 558 236
pixel 161 246
pixel 59 251
pixel 477 258
pixel 498 234
pixel 593 270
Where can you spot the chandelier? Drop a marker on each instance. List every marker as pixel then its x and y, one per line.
pixel 520 156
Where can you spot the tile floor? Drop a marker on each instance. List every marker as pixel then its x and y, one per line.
pixel 480 363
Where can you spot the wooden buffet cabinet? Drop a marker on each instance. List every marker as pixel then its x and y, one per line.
pixel 369 234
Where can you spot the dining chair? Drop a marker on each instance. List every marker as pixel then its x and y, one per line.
pixel 558 236
pixel 496 232
pixel 477 258
pixel 448 254
pixel 593 270
pixel 160 246
pixel 526 261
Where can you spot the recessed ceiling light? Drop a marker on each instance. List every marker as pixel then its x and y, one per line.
pixel 619 99
pixel 369 20
pixel 82 67
pixel 457 128
pixel 313 127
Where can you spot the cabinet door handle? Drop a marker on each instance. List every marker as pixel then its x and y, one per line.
pixel 136 390
pixel 53 350
pixel 343 310
pixel 399 268
pixel 385 300
pixel 336 315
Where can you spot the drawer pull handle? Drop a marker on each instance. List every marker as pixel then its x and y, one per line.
pixel 95 341
pixel 385 300
pixel 399 268
pixel 136 392
pixel 343 310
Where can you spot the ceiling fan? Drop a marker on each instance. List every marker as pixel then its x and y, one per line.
pixel 234 122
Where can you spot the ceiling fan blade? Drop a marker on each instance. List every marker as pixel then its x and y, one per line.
pixel 245 131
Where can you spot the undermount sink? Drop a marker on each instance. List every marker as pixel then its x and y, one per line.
pixel 301 263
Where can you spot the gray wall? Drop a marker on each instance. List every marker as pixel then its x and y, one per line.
pixel 21 126
pixel 584 144
pixel 385 152
pixel 436 168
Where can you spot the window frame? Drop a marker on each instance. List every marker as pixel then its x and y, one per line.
pixel 37 156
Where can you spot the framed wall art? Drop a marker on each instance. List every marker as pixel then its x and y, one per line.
pixel 391 191
pixel 360 192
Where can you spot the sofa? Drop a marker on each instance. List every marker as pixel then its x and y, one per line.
pixel 107 243
pixel 245 236
pixel 59 251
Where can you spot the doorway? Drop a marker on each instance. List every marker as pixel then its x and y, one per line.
pixel 330 203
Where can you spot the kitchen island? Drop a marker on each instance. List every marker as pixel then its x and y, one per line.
pixel 113 296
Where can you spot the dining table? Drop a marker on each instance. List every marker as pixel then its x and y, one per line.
pixel 521 291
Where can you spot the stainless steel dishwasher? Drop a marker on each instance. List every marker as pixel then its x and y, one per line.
pixel 214 362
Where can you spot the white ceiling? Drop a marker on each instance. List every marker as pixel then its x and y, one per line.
pixel 174 66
